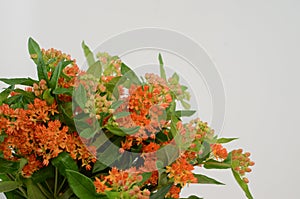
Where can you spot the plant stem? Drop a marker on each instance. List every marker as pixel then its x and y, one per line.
pixel 10 176
pixel 48 186
pixel 61 185
pixel 55 183
pixel 45 192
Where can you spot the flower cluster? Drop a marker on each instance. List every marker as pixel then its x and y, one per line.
pixel 119 135
pixel 241 163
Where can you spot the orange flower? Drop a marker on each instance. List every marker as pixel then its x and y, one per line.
pixel 181 172
pixel 101 186
pixel 173 192
pixel 151 147
pixel 219 151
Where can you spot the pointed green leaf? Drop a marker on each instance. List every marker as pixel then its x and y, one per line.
pixel 175 78
pixel 121 131
pixel 36 55
pixel 80 96
pixel 116 104
pixel 242 184
pixel 161 67
pixel 34 50
pixel 43 174
pixel 48 97
pixel 4 94
pixel 185 104
pixel 8 166
pixel 121 114
pixel 225 140
pixel 95 69
pixel 19 81
pixel 88 54
pixel 185 113
pixel 6 186
pixel 146 176
pixel 64 162
pixel 66 91
pixel 192 197
pixel 213 164
pixel 56 73
pixel 33 191
pixel 82 186
pixel 113 195
pixel 130 74
pixel 202 179
pixel 88 133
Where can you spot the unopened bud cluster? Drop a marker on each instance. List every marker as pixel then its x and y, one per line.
pixel 241 163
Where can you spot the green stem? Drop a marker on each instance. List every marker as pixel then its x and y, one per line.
pixel 55 183
pixel 48 186
pixel 45 192
pixel 61 185
pixel 11 177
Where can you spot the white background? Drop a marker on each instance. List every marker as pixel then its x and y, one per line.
pixel 255 45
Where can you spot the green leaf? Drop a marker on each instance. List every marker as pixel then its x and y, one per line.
pixel 36 55
pixel 22 162
pixel 213 164
pixel 175 78
pixel 64 162
pixel 56 73
pixel 99 166
pixel 66 91
pixel 121 114
pixel 33 191
pixel 2 137
pixel 110 153
pixel 88 54
pixel 19 81
pixel 116 104
pixel 48 97
pixel 202 179
pixel 87 133
pixel 192 197
pixel 34 50
pixel 185 113
pixel 95 70
pixel 121 131
pixel 185 104
pixel 183 88
pixel 225 140
pixel 4 94
pixel 130 74
pixel 113 195
pixel 8 166
pixel 14 195
pixel 161 67
pixel 205 148
pixel 6 186
pixel 146 176
pixel 66 115
pixel 43 174
pixel 160 194
pixel 173 129
pixel 242 184
pixel 82 186
pixel 80 96
pixel 28 95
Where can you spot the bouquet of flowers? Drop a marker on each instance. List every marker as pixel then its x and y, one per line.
pixel 104 133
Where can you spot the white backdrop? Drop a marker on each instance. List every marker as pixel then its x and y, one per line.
pixel 255 45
